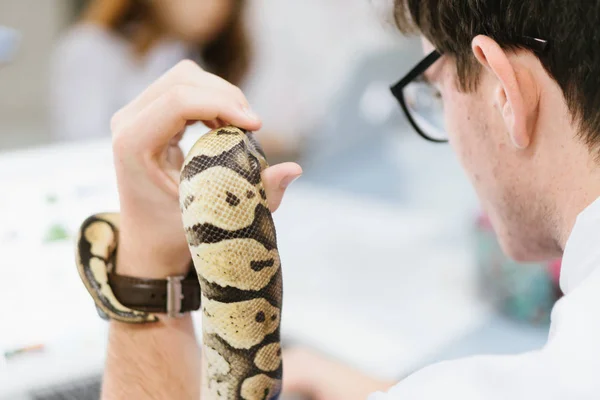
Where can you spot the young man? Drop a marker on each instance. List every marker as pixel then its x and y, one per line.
pixel 518 81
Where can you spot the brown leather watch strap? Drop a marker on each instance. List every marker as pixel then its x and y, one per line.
pixel 150 295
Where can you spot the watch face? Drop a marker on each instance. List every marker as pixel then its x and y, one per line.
pixel 9 41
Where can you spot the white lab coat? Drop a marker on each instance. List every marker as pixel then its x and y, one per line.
pixel 567 367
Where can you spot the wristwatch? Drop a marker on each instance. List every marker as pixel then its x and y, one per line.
pixel 173 296
pixel 126 298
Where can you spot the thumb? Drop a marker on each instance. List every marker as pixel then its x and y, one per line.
pixel 276 179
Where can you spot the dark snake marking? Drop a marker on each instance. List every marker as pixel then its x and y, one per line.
pixel 227 159
pixel 188 200
pixel 221 132
pixel 260 317
pixel 244 367
pixel 262 230
pixel 260 265
pixel 232 199
pixel 272 292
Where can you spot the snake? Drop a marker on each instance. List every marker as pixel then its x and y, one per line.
pixel 232 240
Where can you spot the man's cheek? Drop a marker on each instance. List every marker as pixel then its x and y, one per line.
pixel 453 122
pixel 459 128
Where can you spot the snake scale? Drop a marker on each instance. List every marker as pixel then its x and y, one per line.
pixel 232 240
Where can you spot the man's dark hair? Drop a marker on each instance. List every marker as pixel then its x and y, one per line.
pixel 571 27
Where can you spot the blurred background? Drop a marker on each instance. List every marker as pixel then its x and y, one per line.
pixel 388 263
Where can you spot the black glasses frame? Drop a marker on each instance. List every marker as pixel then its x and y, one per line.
pixel 539 46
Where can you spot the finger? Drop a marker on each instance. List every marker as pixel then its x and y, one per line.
pixel 296 373
pixel 212 124
pixel 215 123
pixel 171 112
pixel 184 73
pixel 277 179
pixel 177 138
pixel 152 129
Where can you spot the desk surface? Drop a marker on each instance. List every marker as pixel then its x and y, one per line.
pixel 377 285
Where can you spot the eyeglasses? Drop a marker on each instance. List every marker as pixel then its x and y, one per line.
pixel 422 102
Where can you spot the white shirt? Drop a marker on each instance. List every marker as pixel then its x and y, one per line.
pixel 568 367
pixel 95 72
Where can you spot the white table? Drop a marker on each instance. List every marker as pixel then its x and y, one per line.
pixel 379 286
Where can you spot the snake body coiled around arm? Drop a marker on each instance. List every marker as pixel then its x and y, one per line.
pixel 232 240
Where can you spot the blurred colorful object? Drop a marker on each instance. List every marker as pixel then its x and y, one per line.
pixel 9 41
pixel 56 233
pixel 523 291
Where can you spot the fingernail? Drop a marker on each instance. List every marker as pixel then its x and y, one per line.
pixel 251 114
pixel 287 181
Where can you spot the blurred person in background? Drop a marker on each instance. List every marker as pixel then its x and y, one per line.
pixel 119 47
pixel 290 74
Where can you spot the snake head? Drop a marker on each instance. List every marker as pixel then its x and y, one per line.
pixel 256 150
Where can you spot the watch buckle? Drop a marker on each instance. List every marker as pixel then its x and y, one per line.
pixel 174 296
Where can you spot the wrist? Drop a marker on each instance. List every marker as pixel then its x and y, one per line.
pixel 149 261
pixel 139 264
pixel 151 245
pixel 182 323
pixel 168 346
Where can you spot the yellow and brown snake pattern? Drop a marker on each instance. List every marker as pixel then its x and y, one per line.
pixel 232 240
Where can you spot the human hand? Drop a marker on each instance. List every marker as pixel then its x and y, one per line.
pixel 316 377
pixel 148 160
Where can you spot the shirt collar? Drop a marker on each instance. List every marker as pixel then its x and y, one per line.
pixel 582 253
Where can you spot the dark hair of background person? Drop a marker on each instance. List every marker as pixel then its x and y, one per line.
pixel 228 55
pixel 571 27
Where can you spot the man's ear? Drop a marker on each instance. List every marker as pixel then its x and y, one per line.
pixel 516 93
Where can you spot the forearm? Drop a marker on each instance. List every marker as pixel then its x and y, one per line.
pixel 321 378
pixel 341 382
pixel 157 360
pixel 154 361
